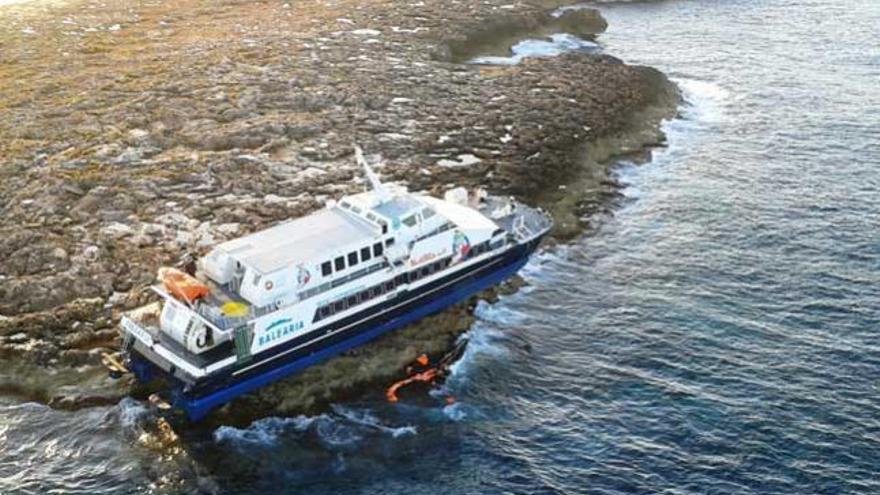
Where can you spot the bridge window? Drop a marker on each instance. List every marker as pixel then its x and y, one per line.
pixel 389 242
pixel 410 221
pixel 339 263
pixel 427 213
pixel 326 269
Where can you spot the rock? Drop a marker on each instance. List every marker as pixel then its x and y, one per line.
pixel 117 230
pixel 142 240
pixel 59 253
pixel 463 160
pixel 117 298
pixel 153 229
pixel 138 135
pixel 177 220
pixel 584 22
pixel 184 238
pixel 229 229
pixel 91 252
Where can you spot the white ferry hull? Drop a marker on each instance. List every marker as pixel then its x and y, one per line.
pixel 197 398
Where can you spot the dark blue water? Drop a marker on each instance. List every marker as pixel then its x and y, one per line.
pixel 718 334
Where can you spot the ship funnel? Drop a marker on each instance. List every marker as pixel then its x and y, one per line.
pixel 380 190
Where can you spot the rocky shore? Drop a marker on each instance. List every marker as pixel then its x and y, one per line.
pixel 132 133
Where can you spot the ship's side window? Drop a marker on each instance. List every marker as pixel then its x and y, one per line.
pixel 384 225
pixel 326 268
pixel 377 249
pixel 400 279
pixel 427 213
pixel 389 242
pixel 376 291
pixel 338 306
pixel 323 312
pixel 365 254
pixel 363 296
pixel 339 263
pixel 409 221
pixel 352 258
pixel 351 301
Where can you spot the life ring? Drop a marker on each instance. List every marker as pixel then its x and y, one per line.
pixel 269 285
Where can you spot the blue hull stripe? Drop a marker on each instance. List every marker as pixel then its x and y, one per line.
pixel 197 408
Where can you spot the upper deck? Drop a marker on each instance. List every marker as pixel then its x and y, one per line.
pixel 300 239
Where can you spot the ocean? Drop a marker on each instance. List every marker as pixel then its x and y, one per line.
pixel 718 333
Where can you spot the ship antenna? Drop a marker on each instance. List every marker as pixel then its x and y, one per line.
pixel 377 186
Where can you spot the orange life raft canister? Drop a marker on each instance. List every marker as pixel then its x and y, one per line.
pixel 182 285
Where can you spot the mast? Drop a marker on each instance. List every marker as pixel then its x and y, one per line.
pixel 381 192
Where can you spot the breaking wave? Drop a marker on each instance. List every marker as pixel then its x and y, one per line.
pixel 342 427
pixel 557 44
pixel 705 100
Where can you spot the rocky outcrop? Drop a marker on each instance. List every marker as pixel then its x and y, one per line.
pixel 132 134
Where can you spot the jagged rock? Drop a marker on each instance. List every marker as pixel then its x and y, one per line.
pixel 238 135
pixel 117 230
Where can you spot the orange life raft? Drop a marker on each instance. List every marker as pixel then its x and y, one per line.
pixel 182 285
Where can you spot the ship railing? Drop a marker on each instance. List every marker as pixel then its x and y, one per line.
pixel 520 228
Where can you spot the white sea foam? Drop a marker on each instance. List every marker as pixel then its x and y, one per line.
pixel 265 431
pixel 705 100
pixel 455 412
pixel 556 45
pixel 365 417
pixel 482 341
pixel 131 412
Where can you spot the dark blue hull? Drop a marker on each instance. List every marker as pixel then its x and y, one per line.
pixel 199 399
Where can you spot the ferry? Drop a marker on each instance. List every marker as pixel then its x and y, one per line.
pixel 262 307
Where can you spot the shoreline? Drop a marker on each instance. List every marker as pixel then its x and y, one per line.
pixel 166 141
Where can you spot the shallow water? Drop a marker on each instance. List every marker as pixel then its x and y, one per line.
pixel 716 335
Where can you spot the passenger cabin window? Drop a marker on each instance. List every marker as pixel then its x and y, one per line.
pixel 410 221
pixel 352 258
pixel 365 254
pixel 427 213
pixel 339 263
pixel 384 225
pixel 377 249
pixel 326 268
pixel 256 279
pixel 389 242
